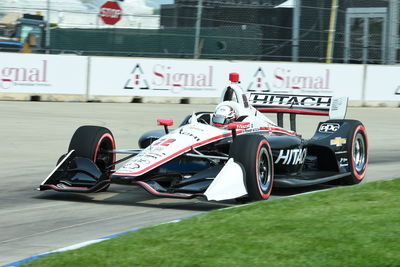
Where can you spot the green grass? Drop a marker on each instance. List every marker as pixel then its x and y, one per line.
pixel 353 226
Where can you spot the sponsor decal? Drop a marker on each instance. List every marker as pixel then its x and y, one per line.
pixel 22 76
pixel 285 78
pixel 181 131
pixel 338 103
pixel 242 126
pixel 152 155
pixel 164 142
pixel 141 160
pixel 291 100
pixel 397 92
pixel 259 82
pixel 338 141
pixel 166 78
pixel 154 148
pixel 291 156
pixel 343 162
pixel 131 165
pixel 193 127
pixel 136 79
pixel 255 129
pixel 329 127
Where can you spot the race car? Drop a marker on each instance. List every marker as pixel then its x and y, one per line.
pixel 233 152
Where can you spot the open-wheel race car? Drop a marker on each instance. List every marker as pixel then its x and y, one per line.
pixel 234 152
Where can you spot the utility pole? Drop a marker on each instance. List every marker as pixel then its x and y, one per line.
pixel 196 52
pixel 393 40
pixel 332 31
pixel 296 30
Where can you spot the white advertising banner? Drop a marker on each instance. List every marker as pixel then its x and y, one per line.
pixel 157 77
pixel 42 74
pixel 207 78
pixel 301 78
pixel 383 83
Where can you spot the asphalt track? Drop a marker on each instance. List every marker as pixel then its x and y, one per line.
pixel 34 134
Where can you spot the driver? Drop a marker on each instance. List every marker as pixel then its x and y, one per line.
pixel 224 114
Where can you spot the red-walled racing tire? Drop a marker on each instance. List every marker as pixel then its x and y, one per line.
pixel 357 153
pixel 94 143
pixel 253 152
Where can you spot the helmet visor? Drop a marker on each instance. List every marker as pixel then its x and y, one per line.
pixel 217 119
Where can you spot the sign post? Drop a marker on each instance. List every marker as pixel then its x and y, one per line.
pixel 110 12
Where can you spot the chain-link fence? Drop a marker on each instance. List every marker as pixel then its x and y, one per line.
pixel 342 31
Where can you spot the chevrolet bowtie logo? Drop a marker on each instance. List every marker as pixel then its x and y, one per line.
pixel 338 141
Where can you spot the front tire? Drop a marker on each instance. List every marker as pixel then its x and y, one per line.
pixel 95 143
pixel 357 153
pixel 253 152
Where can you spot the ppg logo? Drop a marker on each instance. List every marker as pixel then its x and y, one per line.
pixel 329 127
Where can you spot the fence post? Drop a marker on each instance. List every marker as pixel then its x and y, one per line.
pixel 332 31
pixel 48 28
pixel 196 52
pixel 296 30
pixel 393 40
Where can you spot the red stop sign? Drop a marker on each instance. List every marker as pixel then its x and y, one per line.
pixel 110 12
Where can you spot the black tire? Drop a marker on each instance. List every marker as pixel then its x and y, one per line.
pixel 253 152
pixel 94 143
pixel 357 153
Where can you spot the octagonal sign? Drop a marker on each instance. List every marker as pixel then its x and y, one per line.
pixel 110 12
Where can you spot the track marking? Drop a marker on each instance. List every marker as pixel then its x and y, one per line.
pixel 34 208
pixel 72 226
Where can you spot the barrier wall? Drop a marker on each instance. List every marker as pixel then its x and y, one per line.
pixel 207 78
pixel 302 78
pixel 382 83
pixel 157 77
pixel 91 77
pixel 42 74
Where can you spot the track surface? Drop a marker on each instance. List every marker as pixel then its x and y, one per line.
pixel 34 134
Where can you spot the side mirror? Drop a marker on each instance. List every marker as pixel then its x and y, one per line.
pixel 165 123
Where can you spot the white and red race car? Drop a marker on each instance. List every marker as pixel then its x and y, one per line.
pixel 233 152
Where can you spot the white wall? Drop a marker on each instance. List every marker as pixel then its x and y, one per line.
pixel 112 76
pixel 42 74
pixel 382 83
pixel 207 78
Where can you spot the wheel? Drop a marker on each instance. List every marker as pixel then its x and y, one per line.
pixel 357 153
pixel 94 143
pixel 254 154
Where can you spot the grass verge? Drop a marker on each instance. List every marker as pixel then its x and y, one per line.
pixel 353 226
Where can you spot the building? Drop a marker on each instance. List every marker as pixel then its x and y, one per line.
pixel 366 31
pixel 270 22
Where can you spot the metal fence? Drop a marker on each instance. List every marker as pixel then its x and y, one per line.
pixel 339 31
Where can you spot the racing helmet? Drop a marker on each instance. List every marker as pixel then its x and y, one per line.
pixel 224 114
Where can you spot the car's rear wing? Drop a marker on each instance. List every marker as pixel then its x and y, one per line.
pixel 334 107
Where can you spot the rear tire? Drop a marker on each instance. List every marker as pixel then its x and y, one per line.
pixel 357 154
pixel 95 143
pixel 254 153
